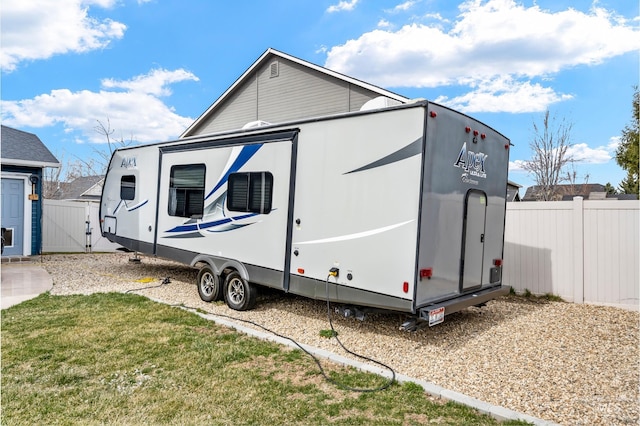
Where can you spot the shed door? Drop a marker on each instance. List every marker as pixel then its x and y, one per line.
pixel 475 212
pixel 13 216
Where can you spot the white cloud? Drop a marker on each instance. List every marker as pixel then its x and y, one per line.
pixel 582 153
pixel 136 112
pixel 154 83
pixel 39 29
pixel 403 7
pixel 504 95
pixel 614 143
pixel 517 166
pixel 489 41
pixel 383 23
pixel 342 5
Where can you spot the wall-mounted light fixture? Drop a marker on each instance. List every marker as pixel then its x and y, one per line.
pixel 34 181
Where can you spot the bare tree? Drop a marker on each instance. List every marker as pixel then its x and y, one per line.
pixel 550 143
pixel 107 132
pixel 571 177
pixel 51 180
pixel 54 179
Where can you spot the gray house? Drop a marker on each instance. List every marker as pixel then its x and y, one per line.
pixel 280 87
pixel 23 157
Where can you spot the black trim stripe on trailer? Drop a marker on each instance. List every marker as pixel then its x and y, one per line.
pixel 414 148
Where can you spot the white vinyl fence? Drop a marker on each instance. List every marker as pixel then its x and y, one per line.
pixel 65 227
pixel 585 251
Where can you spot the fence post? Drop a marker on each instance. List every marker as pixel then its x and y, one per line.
pixel 578 250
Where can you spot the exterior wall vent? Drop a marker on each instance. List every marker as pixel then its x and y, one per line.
pixel 274 69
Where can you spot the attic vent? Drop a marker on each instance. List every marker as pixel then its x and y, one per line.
pixel 274 69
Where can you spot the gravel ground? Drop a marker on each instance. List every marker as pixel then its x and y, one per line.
pixel 567 363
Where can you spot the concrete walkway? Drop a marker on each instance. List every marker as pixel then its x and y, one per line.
pixel 22 280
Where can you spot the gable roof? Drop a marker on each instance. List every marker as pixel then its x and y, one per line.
pixel 268 56
pixel 513 191
pixel 20 148
pixel 81 188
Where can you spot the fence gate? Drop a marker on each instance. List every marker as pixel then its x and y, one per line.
pixel 72 227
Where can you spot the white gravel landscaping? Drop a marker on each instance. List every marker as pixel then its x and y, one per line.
pixel 563 362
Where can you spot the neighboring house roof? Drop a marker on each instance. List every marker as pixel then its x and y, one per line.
pixel 513 191
pixel 567 192
pixel 82 188
pixel 623 196
pixel 248 81
pixel 20 148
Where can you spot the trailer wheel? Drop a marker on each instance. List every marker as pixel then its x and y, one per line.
pixel 238 293
pixel 209 287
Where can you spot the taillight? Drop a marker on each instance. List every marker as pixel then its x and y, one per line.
pixel 426 273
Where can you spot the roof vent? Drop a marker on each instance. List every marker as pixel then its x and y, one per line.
pixel 274 69
pixel 254 124
pixel 379 102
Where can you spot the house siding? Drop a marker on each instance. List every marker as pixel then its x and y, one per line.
pixel 36 216
pixel 238 110
pixel 358 96
pixel 36 206
pixel 297 92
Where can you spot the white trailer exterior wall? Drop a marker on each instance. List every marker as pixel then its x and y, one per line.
pixel 406 202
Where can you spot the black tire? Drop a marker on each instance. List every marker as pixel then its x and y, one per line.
pixel 238 293
pixel 209 287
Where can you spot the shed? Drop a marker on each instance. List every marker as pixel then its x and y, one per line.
pixel 23 157
pixel 513 191
pixel 279 87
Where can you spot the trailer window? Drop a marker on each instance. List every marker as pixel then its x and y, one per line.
pixel 250 192
pixel 186 190
pixel 128 187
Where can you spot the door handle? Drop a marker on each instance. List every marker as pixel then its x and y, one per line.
pixel 482 238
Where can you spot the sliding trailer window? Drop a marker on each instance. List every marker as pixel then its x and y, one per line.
pixel 128 187
pixel 250 192
pixel 186 190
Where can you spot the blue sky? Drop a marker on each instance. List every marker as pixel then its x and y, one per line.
pixel 151 67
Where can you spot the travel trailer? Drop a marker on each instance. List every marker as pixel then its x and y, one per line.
pixel 400 208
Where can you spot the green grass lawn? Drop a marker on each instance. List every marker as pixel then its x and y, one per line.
pixel 123 359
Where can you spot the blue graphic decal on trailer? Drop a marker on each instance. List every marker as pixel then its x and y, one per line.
pixel 215 218
pixel 129 209
pixel 138 206
pixel 196 227
pixel 245 155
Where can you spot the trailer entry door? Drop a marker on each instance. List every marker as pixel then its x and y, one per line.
pixel 475 211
